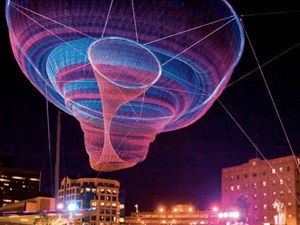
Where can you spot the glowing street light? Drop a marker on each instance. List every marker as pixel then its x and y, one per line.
pixel 72 207
pixel 60 206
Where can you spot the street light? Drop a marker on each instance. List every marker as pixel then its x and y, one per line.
pixel 71 207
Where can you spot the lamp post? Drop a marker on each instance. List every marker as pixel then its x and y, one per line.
pixel 71 208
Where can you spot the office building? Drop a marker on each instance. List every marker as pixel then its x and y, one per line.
pixel 253 187
pixel 18 184
pixel 99 198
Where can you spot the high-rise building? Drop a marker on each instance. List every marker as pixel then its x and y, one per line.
pixel 98 197
pixel 253 187
pixel 18 184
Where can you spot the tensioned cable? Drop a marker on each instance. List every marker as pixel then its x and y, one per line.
pixel 49 139
pixel 54 21
pixel 107 17
pixel 256 148
pixel 271 97
pixel 197 42
pixel 264 64
pixel 188 30
pixel 271 13
pixel 134 21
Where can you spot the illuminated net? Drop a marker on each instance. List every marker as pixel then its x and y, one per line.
pixel 126 70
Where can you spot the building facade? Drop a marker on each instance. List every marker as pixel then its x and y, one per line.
pixel 18 184
pixel 253 187
pixel 99 198
pixel 179 214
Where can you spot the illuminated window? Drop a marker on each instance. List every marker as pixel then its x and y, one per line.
pixel 18 178
pixel 281 192
pixel 7 200
pixel 6 184
pixel 254 185
pixel 34 179
pixel 238 187
pixel 232 188
pixel 102 203
pixel 274 192
pixel 94 204
pixel 265 206
pixel 281 169
pixel 255 207
pixel 289 203
pixel 274 182
pixel 253 163
pixel 273 170
pixel 265 194
pixel 281 181
pixel 255 195
pixel 246 185
pixel 4 180
pixel 264 183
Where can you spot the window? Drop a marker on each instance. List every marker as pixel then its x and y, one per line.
pixel 281 181
pixel 289 203
pixel 264 183
pixel 254 174
pixel 254 185
pixel 288 169
pixel 264 173
pixel 232 188
pixel 280 169
pixel 255 195
pixel 274 182
pixel 238 187
pixel 246 175
pixel 281 192
pixel 273 170
pixel 274 192
pixel 265 194
pixel 237 177
pixel 265 206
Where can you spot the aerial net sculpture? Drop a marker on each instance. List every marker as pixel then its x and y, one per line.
pixel 126 70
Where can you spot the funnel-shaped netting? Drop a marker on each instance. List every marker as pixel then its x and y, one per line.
pixel 129 70
pixel 123 70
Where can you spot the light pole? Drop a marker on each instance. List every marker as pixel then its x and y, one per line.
pixel 70 209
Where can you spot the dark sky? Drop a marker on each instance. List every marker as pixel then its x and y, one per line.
pixel 184 165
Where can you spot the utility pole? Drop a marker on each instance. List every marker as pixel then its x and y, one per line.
pixel 57 156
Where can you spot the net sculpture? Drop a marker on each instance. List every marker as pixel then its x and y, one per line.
pixel 126 70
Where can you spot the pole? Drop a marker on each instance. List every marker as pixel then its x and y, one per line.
pixel 57 156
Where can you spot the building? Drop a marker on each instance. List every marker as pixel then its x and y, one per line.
pixel 99 198
pixel 18 184
pixel 253 187
pixel 31 205
pixel 179 214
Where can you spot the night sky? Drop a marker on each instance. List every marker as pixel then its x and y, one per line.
pixel 183 166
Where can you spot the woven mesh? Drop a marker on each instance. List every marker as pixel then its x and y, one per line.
pixel 126 73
